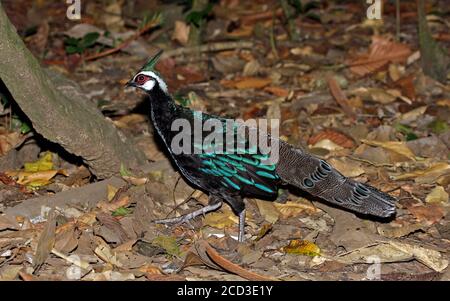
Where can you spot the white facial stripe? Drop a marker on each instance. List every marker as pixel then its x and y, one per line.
pixel 148 86
pixel 161 83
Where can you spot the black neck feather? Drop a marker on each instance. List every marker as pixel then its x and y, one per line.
pixel 162 109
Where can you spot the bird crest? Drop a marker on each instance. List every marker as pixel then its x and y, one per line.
pixel 151 63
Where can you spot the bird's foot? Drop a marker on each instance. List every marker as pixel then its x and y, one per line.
pixel 241 226
pixel 190 216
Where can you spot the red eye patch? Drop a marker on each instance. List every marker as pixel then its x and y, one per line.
pixel 141 79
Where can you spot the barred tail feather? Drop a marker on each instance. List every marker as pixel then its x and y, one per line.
pixel 319 178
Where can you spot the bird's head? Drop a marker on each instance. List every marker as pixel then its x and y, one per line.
pixel 148 78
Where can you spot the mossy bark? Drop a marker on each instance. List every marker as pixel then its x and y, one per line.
pixel 60 112
pixel 435 62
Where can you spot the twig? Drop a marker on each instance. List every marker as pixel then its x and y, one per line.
pixel 73 260
pixel 208 48
pixel 273 42
pixel 370 162
pixel 250 19
pixel 190 197
pixel 150 25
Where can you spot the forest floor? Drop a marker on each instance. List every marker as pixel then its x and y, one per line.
pixel 348 90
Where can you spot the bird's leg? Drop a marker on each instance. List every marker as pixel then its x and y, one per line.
pixel 241 226
pixel 213 205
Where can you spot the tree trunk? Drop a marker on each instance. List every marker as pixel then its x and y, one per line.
pixel 435 61
pixel 60 112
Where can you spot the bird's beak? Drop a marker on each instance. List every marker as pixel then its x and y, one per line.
pixel 130 84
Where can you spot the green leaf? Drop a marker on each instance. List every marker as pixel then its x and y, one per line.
pixel 438 126
pixel 72 41
pixel 313 16
pixel 156 18
pixel 73 49
pixel 310 5
pixel 169 244
pixel 123 171
pixel 25 128
pixel 194 17
pixel 297 5
pixel 404 129
pixel 198 17
pixel 411 136
pixel 121 211
pixel 89 39
pixel 182 100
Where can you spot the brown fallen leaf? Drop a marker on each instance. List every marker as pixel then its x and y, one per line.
pixel 88 218
pixel 336 136
pixel 104 252
pixel 126 246
pixel 7 180
pixel 192 259
pixel 35 179
pixel 243 31
pixel 433 172
pixel 38 41
pixel 431 276
pixel 8 141
pixel 381 52
pixel 377 95
pixel 128 121
pixel 347 167
pixel 406 84
pixel 246 83
pixel 109 276
pixel 265 229
pixel 46 241
pixel 114 205
pixel 181 32
pixel 222 219
pixel 395 146
pixel 260 16
pixel 9 273
pixel 429 215
pixel 295 208
pixel 268 211
pixel 67 240
pixel 8 223
pixel 26 277
pixel 178 76
pixel 395 252
pixel 397 232
pixel 277 91
pixel 150 269
pixel 437 195
pixel 114 225
pixel 340 97
pixel 325 144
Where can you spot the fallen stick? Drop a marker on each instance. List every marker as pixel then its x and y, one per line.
pixel 150 25
pixel 220 46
